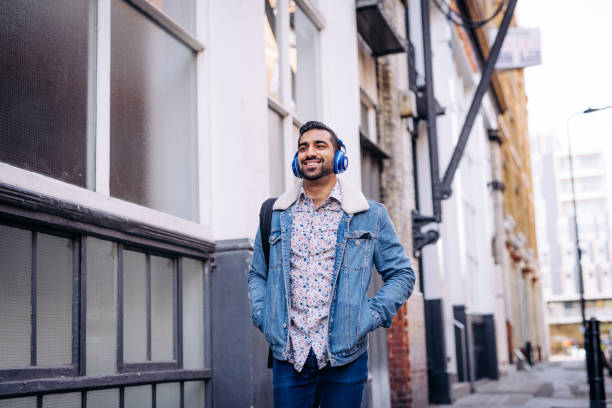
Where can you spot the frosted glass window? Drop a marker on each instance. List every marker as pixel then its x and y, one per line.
pixel 153 115
pixel 44 48
pixel 138 397
pixel 103 399
pixel 101 331
pixel 134 307
pixel 193 314
pixel 303 59
pixel 276 145
pixel 29 402
pixel 194 393
pixel 70 400
pixel 55 271
pixel 15 292
pixel 162 309
pixel 168 395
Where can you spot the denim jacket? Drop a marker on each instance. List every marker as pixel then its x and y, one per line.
pixel 366 238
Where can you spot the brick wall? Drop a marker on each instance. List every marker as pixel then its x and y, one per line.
pixel 399 360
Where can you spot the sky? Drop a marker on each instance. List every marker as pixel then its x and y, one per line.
pixel 576 70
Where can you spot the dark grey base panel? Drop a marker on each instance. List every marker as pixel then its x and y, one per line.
pixel 485 346
pixel 439 381
pixel 240 352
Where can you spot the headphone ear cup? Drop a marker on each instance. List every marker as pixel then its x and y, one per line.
pixel 340 162
pixel 294 166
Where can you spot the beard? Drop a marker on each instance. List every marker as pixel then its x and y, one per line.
pixel 321 172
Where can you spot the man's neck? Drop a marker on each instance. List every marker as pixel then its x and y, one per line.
pixel 318 190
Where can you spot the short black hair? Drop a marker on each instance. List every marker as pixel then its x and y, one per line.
pixel 313 124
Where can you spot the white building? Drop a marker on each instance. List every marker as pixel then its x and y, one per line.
pixel 461 282
pixel 557 240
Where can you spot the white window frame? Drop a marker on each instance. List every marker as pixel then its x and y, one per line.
pixel 99 198
pixel 370 105
pixel 282 107
pixel 364 96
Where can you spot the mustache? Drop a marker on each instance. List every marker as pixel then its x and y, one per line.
pixel 311 158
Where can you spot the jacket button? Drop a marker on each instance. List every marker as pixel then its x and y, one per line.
pixel 284 325
pixel 357 242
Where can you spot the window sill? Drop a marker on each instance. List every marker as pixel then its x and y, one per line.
pixel 68 384
pixel 32 372
pixel 29 195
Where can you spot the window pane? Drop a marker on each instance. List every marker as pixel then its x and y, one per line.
pixel 103 399
pixel 303 58
pixel 71 400
pixel 181 11
pixel 271 51
pixel 365 123
pixel 134 307
pixel 168 395
pixel 101 307
pixel 43 92
pixel 153 125
pixel 15 292
pixel 138 397
pixel 277 153
pixel 194 394
pixel 54 300
pixel 29 402
pixel 162 309
pixel 371 168
pixel 193 314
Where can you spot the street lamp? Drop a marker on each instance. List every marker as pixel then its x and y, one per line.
pixel 578 251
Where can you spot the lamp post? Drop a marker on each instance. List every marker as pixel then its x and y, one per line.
pixel 578 250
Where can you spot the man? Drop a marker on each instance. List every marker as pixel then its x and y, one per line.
pixel 310 300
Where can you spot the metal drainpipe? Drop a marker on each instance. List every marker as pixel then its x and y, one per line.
pixel 432 133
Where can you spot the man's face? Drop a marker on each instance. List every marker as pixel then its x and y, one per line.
pixel 316 154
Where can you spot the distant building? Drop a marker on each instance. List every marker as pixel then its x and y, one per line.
pixel 558 239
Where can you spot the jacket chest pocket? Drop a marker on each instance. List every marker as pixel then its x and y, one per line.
pixel 358 245
pixel 275 248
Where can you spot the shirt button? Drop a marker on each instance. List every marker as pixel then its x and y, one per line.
pixel 357 242
pixel 284 325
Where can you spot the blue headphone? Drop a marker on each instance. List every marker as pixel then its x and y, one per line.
pixel 340 161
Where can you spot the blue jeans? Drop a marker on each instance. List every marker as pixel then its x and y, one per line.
pixel 336 387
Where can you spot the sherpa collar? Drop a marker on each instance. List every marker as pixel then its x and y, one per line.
pixel 353 200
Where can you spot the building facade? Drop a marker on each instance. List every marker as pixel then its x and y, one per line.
pixel 491 199
pixel 139 139
pixel 106 251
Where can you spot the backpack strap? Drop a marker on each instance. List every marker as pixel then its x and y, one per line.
pixel 265 221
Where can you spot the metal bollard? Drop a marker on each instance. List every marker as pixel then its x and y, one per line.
pixel 528 352
pixel 597 392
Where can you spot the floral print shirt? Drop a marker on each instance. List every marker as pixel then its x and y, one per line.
pixel 313 251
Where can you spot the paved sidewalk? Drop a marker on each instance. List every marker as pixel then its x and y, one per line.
pixel 560 384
